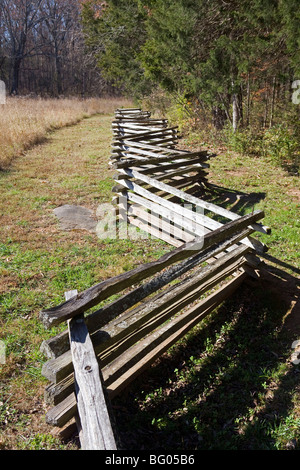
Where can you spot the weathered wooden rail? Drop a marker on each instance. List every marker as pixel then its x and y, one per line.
pixel 213 251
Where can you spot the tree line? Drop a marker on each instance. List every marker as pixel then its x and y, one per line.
pixel 42 50
pixel 222 61
pixel 225 60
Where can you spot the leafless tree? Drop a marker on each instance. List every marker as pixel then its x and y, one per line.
pixel 21 19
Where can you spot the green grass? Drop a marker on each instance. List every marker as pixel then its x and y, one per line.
pixel 229 384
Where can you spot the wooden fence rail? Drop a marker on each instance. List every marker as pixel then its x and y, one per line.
pixel 213 251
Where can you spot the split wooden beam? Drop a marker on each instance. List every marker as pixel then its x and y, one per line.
pixel 127 367
pixel 95 429
pixel 58 345
pixel 92 296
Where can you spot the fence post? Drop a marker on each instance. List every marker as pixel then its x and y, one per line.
pixel 96 430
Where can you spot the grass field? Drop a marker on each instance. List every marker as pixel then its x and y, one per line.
pixel 24 122
pixel 229 384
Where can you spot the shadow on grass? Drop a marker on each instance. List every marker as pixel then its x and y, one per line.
pixel 229 384
pixel 237 201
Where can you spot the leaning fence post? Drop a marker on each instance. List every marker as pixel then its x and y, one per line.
pixel 96 431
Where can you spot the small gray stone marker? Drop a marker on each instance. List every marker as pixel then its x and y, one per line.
pixel 72 217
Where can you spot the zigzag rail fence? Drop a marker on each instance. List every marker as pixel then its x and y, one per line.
pixel 213 251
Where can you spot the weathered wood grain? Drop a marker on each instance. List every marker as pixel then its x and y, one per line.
pixel 146 352
pixel 91 404
pixel 169 301
pixel 59 344
pixel 92 296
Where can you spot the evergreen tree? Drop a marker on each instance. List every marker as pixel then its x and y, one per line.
pixel 115 33
pixel 215 54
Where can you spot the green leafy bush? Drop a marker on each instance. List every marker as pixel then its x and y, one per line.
pixel 244 141
pixel 282 144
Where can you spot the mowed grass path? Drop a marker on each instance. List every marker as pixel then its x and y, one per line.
pixel 39 262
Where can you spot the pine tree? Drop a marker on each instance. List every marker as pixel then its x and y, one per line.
pixel 115 32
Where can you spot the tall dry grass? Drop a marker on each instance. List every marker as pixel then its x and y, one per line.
pixel 25 122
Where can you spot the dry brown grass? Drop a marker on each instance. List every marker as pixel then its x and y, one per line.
pixel 25 122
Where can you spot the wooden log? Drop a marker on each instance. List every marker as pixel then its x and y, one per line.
pixel 56 346
pixel 178 182
pixel 129 153
pixel 169 209
pixel 185 182
pixel 161 140
pixel 167 174
pixel 60 343
pixel 63 412
pixel 172 211
pixel 169 166
pixel 92 296
pixel 57 392
pixel 124 143
pixel 155 346
pixel 153 231
pixel 194 169
pixel 94 416
pixel 186 219
pixel 136 324
pixel 152 146
pixel 129 161
pixel 150 133
pixel 59 368
pixel 141 132
pixel 169 302
pixel 161 224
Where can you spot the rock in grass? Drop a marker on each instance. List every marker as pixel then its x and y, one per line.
pixel 73 217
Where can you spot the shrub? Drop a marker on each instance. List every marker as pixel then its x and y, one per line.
pixel 282 145
pixel 244 141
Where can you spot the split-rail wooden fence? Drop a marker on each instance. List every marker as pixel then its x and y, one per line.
pixel 108 344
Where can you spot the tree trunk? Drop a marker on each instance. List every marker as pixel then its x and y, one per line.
pixel 272 102
pixel 248 101
pixel 219 117
pixel 240 107
pixel 58 75
pixel 15 76
pixel 235 112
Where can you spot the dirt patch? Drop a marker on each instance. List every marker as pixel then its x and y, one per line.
pixel 294 193
pixel 236 173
